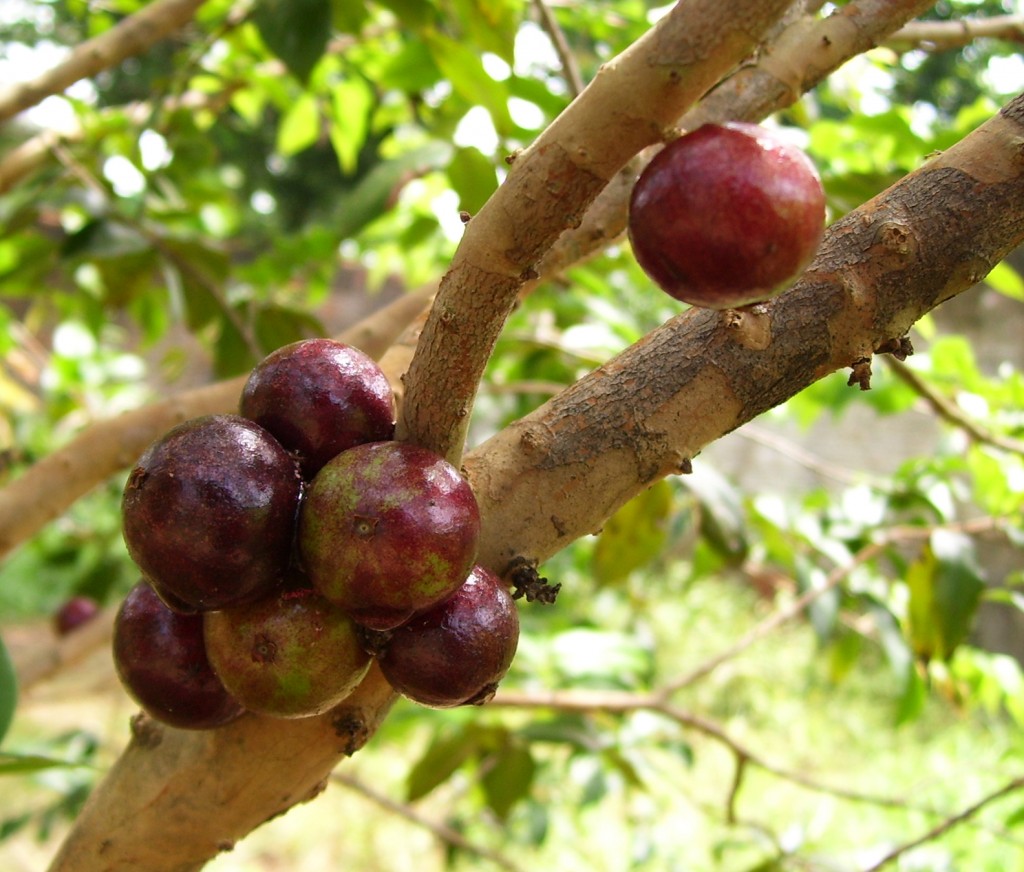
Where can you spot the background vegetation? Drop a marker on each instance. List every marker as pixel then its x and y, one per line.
pixel 794 658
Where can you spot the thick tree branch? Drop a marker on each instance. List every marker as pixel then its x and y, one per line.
pixel 557 474
pixel 628 106
pixel 562 470
pixel 131 36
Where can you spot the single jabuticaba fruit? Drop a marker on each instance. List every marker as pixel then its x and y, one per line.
pixel 291 654
pixel 726 215
pixel 160 657
pixel 388 529
pixel 319 397
pixel 73 613
pixel 458 651
pixel 209 513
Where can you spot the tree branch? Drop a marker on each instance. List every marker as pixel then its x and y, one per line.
pixel 130 36
pixel 1013 785
pixel 947 35
pixel 562 470
pixel 627 107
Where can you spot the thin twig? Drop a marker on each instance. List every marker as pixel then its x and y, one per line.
pixel 947 35
pixel 440 831
pixel 948 824
pixel 568 60
pixel 950 412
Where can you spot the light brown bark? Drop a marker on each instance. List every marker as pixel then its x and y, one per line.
pixel 131 36
pixel 629 105
pixel 176 798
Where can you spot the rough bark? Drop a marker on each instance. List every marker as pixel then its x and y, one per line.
pixel 131 36
pixel 629 105
pixel 176 798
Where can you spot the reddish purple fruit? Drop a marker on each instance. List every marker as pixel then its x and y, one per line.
pixel 290 655
pixel 161 660
pixel 726 216
pixel 319 397
pixel 209 513
pixel 73 613
pixel 458 651
pixel 388 529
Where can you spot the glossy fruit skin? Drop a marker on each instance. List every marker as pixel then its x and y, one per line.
pixel 160 657
pixel 73 613
pixel 319 397
pixel 290 655
pixel 726 215
pixel 457 652
pixel 388 529
pixel 209 513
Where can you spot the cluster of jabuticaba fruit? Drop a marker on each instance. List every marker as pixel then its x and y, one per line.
pixel 285 547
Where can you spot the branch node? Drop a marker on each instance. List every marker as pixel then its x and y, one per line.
pixel 527 582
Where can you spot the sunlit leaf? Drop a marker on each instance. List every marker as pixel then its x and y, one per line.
pixel 300 126
pixel 1005 279
pixel 462 66
pixel 351 102
pixel 473 177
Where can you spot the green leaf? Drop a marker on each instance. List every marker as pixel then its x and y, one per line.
pixel 473 177
pixel 351 102
pixel 278 325
pixel 945 589
pixel 508 779
pixel 441 760
pixel 1005 279
pixel 26 764
pixel 8 690
pixel 379 188
pixel 461 65
pixel 300 126
pixel 349 17
pixel 634 536
pixel 491 25
pixel 296 31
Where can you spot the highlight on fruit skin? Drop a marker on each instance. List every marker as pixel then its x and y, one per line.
pixel 457 652
pixel 388 529
pixel 290 655
pixel 726 215
pixel 209 512
pixel 318 397
pixel 160 658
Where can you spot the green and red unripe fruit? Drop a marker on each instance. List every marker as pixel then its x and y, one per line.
pixel 160 657
pixel 209 513
pixel 726 215
pixel 386 530
pixel 319 397
pixel 290 655
pixel 457 652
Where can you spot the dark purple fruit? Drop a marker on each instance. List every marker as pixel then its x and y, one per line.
pixel 73 613
pixel 209 513
pixel 291 655
pixel 726 216
pixel 388 529
pixel 319 397
pixel 458 651
pixel 161 660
